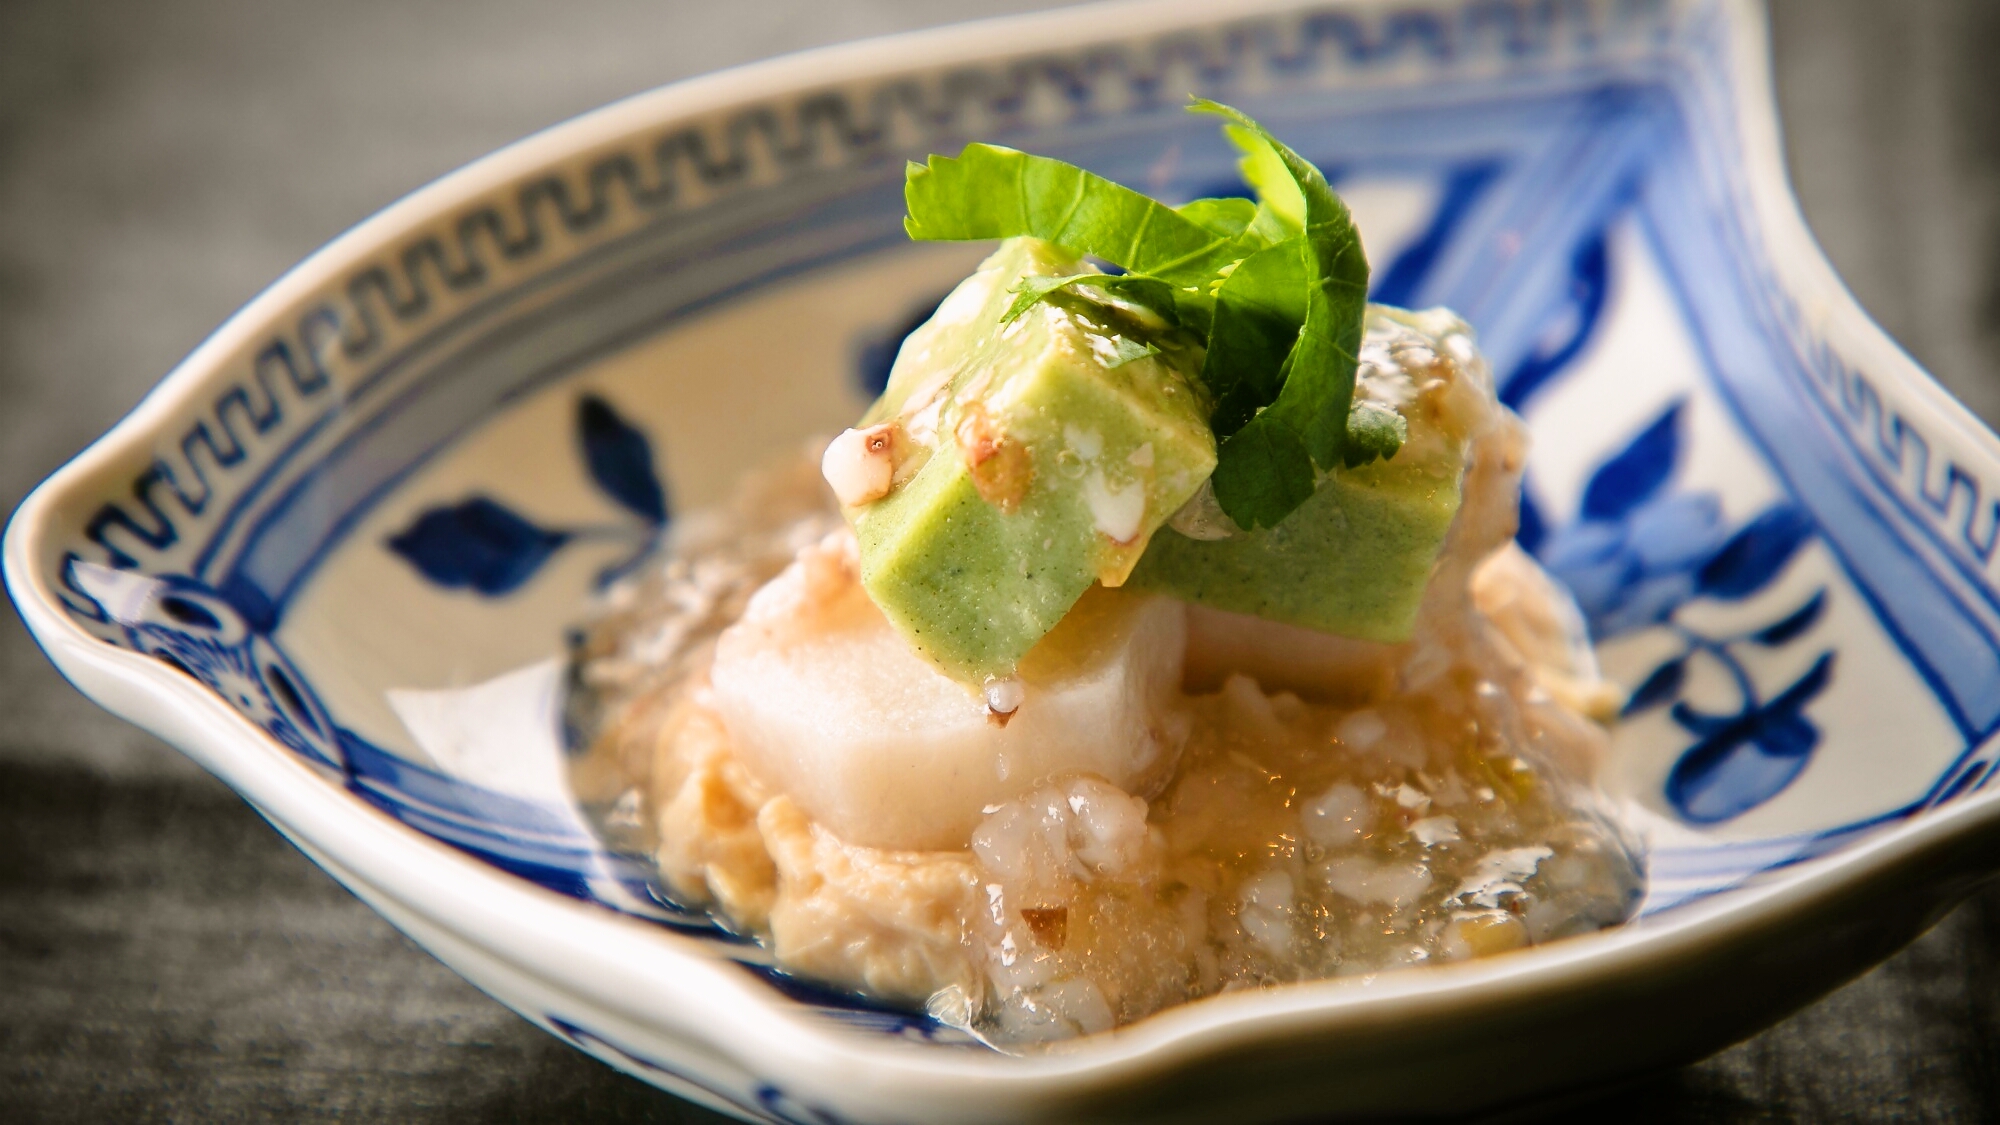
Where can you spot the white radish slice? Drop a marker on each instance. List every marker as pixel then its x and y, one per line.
pixel 826 703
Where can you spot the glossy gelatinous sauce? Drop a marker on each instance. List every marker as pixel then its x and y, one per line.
pixel 1326 808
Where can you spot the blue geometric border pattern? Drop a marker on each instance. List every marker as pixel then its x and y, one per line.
pixel 291 392
pixel 1911 522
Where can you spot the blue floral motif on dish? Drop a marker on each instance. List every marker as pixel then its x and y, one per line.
pixel 482 545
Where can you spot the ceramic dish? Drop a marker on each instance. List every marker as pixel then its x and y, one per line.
pixel 333 556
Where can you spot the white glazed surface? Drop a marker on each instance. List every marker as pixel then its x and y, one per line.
pixel 1712 961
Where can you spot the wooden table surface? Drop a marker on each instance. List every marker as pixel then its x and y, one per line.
pixel 165 956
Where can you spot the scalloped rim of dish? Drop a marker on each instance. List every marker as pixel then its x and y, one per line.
pixel 615 963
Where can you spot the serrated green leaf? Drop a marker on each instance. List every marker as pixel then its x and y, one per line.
pixel 992 192
pixel 1277 289
pixel 1310 411
pixel 1267 228
pixel 1265 172
pixel 1148 293
pixel 1227 216
pixel 1373 431
pixel 1269 472
pixel 1258 311
pixel 1124 349
pixel 1033 290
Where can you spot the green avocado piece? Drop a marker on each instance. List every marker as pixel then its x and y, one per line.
pixel 1356 557
pixel 1032 459
pixel 1352 560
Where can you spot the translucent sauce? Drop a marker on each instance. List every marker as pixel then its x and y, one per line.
pixel 1326 808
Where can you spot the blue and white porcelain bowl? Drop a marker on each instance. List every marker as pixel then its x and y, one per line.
pixel 333 557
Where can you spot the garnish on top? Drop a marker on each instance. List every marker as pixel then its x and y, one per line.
pixel 1051 418
pixel 1276 288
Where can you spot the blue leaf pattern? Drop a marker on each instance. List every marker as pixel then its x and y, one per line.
pixel 1639 553
pixel 1589 289
pixel 1677 532
pixel 1745 760
pixel 1632 573
pixel 620 460
pixel 1662 684
pixel 1638 550
pixel 1532 529
pixel 481 545
pixel 1638 471
pixel 1698 723
pixel 1401 284
pixel 1756 554
pixel 477 544
pixel 1788 628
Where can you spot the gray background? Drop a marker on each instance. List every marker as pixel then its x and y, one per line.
pixel 165 956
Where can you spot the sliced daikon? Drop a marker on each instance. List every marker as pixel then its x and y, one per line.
pixel 827 703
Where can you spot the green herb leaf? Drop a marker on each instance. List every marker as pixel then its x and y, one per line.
pixel 1277 289
pixel 1125 349
pixel 1373 430
pixel 1309 415
pixel 993 192
pixel 1269 472
pixel 1258 311
pixel 1226 217
pixel 1147 293
pixel 1265 172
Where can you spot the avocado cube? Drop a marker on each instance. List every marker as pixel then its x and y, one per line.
pixel 1355 558
pixel 1030 460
